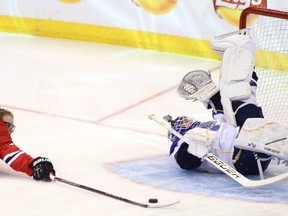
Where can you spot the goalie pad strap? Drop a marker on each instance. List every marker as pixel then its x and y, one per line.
pixel 228 110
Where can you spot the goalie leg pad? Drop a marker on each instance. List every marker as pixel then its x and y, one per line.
pixel 264 136
pixel 236 74
pixel 239 38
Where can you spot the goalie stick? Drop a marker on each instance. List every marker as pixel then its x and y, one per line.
pixel 221 165
pixel 144 205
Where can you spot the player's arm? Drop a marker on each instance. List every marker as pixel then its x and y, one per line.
pixel 39 168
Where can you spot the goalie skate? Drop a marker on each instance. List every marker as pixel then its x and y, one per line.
pixel 197 85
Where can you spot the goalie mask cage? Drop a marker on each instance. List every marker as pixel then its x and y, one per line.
pixel 269 30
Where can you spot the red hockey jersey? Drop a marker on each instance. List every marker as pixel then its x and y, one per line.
pixel 11 154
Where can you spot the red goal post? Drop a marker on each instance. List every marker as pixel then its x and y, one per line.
pixel 269 30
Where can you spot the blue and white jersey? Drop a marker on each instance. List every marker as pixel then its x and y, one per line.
pixel 222 146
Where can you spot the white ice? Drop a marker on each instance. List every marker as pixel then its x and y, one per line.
pixel 85 106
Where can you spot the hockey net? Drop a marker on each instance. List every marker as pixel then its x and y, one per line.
pixel 269 30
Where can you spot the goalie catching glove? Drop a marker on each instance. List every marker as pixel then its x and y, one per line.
pixel 197 85
pixel 42 167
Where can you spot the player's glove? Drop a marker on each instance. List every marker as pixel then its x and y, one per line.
pixel 42 167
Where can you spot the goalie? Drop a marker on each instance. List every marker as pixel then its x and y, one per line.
pixel 238 135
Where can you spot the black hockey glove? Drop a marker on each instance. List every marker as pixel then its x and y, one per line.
pixel 42 167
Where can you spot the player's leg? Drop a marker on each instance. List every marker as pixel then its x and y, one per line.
pixel 245 161
pixel 237 67
pixel 244 111
pixel 263 137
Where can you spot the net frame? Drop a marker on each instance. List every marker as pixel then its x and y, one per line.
pixel 269 30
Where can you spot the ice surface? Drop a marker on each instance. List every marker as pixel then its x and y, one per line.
pixel 85 106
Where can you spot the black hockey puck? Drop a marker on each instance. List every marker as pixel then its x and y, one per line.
pixel 153 200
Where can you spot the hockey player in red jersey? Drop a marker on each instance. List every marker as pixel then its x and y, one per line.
pixel 40 167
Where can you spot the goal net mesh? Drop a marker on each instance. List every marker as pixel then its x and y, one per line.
pixel 269 30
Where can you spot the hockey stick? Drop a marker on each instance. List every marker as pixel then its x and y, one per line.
pixel 144 205
pixel 221 165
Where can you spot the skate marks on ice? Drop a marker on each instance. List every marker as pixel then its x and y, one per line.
pixel 161 172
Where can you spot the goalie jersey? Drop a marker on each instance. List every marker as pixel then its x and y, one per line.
pixel 222 145
pixel 11 154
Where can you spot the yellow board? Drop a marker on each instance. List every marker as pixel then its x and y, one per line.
pixel 108 35
pixel 130 38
